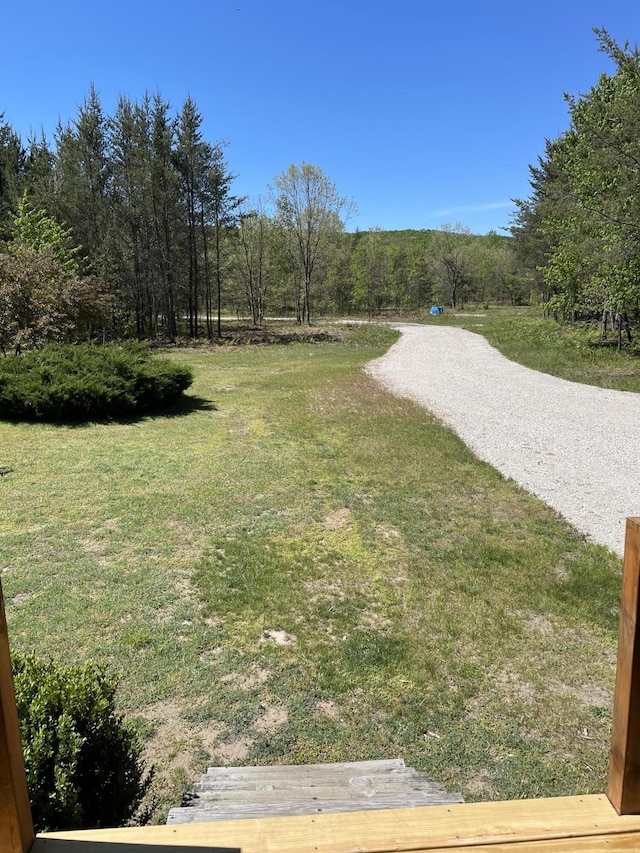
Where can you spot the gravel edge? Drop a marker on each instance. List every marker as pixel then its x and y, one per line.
pixel 577 447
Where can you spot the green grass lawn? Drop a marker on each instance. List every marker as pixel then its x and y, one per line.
pixel 300 567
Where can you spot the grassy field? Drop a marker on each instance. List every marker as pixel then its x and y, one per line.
pixel 570 351
pixel 299 567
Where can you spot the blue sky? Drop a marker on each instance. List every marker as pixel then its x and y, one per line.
pixel 423 112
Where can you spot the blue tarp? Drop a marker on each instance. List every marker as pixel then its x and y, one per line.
pixel 436 309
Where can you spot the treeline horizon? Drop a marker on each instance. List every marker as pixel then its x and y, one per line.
pixel 150 206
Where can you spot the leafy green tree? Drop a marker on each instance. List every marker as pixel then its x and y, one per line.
pixel 339 284
pixel 372 272
pixel 581 222
pixel 494 271
pixel 532 241
pixel 43 296
pixel 403 273
pixel 35 230
pixel 416 269
pixel 220 209
pixel 450 260
pixel 602 157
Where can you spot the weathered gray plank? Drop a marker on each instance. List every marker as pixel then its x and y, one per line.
pixel 351 781
pixel 240 811
pixel 357 788
pixel 377 766
pixel 226 793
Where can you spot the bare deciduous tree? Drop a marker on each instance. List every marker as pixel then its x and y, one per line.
pixel 309 212
pixel 450 260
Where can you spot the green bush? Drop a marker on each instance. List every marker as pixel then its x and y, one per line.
pixel 83 382
pixel 82 759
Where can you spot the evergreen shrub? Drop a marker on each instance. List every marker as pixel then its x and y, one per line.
pixel 84 382
pixel 82 759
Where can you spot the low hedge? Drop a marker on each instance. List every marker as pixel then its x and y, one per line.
pixel 83 760
pixel 85 382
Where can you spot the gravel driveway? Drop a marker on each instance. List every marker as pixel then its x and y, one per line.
pixel 575 446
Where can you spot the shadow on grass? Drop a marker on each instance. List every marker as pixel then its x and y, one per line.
pixel 180 408
pixel 184 405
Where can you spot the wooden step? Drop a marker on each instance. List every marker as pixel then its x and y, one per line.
pixel 315 792
pixel 385 765
pixel 231 793
pixel 241 811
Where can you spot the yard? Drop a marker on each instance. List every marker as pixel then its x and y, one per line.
pixel 300 567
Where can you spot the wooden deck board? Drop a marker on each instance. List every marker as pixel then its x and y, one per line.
pixel 610 843
pixel 565 824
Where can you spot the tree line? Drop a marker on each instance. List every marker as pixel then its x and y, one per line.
pixel 578 233
pixel 162 246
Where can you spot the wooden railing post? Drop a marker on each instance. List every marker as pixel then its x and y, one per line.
pixel 624 761
pixel 16 826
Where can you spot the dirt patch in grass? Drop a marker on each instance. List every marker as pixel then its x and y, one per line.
pixel 21 597
pixel 186 545
pixel 328 709
pixel 562 573
pixel 237 750
pixel 480 786
pixel 370 619
pixel 387 532
pixel 280 638
pixel 589 695
pixel 538 624
pixel 183 594
pixel 96 549
pixel 178 750
pixel 337 519
pixel 273 717
pixel 254 678
pixel 176 740
pixel 512 686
